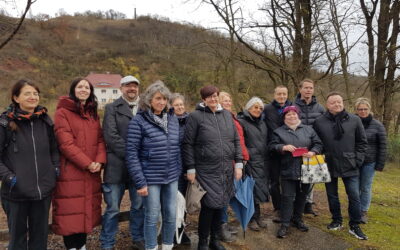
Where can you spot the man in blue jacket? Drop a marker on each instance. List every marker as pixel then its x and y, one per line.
pixel 116 179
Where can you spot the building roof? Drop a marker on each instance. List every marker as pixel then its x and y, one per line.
pixel 104 80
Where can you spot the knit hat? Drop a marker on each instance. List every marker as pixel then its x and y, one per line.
pixel 291 108
pixel 208 90
pixel 129 79
pixel 253 101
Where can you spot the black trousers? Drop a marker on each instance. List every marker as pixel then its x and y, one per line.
pixel 257 212
pixel 75 240
pixel 275 188
pixel 27 220
pixel 209 220
pixel 294 195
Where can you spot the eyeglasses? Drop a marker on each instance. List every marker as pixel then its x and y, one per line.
pixel 362 109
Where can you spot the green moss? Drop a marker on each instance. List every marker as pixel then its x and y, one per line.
pixel 383 228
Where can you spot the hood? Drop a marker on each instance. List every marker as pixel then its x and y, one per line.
pixel 202 107
pixel 67 103
pixel 246 115
pixel 301 102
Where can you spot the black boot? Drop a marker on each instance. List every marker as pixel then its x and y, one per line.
pixel 224 234
pixel 203 244
pixel 215 244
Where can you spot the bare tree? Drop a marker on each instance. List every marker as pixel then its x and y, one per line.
pixel 15 30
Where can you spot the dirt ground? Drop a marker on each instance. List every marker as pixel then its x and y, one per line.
pixel 314 239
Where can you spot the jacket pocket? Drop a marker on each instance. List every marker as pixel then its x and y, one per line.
pixel 349 161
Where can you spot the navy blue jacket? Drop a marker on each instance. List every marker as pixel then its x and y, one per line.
pixel 153 156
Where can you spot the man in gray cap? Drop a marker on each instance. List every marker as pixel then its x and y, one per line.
pixel 115 125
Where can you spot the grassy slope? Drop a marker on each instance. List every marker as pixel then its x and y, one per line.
pixel 383 228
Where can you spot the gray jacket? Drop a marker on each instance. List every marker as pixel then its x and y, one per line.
pixel 115 126
pixel 345 156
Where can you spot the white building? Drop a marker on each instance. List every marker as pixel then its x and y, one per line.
pixel 106 87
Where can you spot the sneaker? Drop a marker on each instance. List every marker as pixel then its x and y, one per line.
pixel 224 234
pixel 254 226
pixel 233 229
pixel 300 225
pixel 261 223
pixel 335 225
pixel 308 209
pixel 364 218
pixel 356 231
pixel 282 232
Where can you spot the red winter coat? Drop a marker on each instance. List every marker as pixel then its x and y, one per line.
pixel 77 198
pixel 239 129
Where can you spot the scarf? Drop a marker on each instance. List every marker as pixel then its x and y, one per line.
pixel 366 121
pixel 279 107
pixel 337 127
pixel 133 106
pixel 15 113
pixel 161 120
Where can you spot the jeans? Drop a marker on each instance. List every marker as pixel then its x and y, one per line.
pixel 160 198
pixel 113 194
pixel 209 220
pixel 27 220
pixel 367 172
pixel 352 187
pixel 293 200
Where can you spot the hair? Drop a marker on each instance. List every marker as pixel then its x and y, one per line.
pixel 362 100
pixel 175 96
pixel 333 93
pixel 15 92
pixel 305 80
pixel 223 94
pixel 91 103
pixel 147 96
pixel 280 87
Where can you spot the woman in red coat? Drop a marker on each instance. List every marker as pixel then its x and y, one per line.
pixel 77 199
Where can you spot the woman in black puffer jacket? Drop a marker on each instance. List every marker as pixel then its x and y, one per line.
pixel 375 156
pixel 29 162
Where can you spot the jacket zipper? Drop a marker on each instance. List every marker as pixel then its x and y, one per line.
pixel 36 165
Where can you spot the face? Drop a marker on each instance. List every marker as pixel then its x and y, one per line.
pixel 281 95
pixel 363 110
pixel 130 91
pixel 226 102
pixel 212 101
pixel 307 90
pixel 82 90
pixel 291 118
pixel 179 106
pixel 28 98
pixel 256 110
pixel 158 103
pixel 334 104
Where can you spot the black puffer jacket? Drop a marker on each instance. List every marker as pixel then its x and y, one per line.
pixel 273 115
pixel 377 144
pixel 345 156
pixel 117 116
pixel 255 136
pixel 304 136
pixel 309 112
pixel 211 145
pixel 31 155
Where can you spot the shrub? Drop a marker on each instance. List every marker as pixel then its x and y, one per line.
pixel 394 148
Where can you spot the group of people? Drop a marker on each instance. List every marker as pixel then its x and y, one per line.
pixel 151 146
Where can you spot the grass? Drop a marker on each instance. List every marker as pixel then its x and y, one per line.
pixel 383 228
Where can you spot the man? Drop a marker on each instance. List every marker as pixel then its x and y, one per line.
pixel 310 110
pixel 273 119
pixel 115 125
pixel 345 144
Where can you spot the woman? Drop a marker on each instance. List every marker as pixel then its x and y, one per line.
pixel 177 102
pixel 77 199
pixel 28 167
pixel 154 162
pixel 256 135
pixel 210 145
pixel 375 156
pixel 225 100
pixel 285 140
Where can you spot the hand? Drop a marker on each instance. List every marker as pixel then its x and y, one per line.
pixel 309 154
pixel 191 177
pixel 92 167
pixel 289 148
pixel 143 191
pixel 238 173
